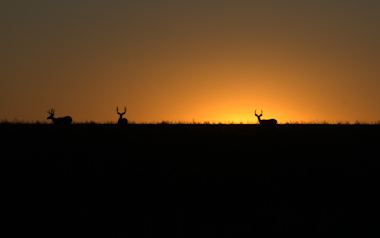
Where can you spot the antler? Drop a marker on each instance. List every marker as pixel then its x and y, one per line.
pixel 117 110
pixel 51 111
pixel 260 114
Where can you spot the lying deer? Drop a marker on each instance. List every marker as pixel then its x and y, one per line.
pixel 122 121
pixel 60 120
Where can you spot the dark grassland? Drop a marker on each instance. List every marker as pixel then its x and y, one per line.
pixel 189 180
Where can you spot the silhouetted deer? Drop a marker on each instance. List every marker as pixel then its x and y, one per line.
pixel 268 122
pixel 60 120
pixel 122 121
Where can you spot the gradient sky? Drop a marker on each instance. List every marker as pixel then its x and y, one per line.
pixel 185 60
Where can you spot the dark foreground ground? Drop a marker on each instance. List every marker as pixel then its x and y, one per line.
pixel 190 180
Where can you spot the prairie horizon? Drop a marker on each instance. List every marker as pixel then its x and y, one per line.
pixel 248 122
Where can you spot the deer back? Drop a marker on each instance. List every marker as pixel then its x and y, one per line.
pixel 62 120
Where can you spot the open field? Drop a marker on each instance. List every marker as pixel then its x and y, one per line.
pixel 190 180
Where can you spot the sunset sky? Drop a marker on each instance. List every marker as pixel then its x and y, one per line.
pixel 185 60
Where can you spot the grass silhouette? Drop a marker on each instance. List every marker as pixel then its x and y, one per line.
pixel 190 179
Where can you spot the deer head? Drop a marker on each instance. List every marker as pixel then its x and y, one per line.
pixel 51 112
pixel 258 116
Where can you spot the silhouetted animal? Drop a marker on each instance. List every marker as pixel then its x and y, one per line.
pixel 268 122
pixel 60 120
pixel 122 121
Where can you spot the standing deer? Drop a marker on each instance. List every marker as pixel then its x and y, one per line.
pixel 60 120
pixel 122 121
pixel 268 122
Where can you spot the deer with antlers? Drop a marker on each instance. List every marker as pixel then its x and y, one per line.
pixel 122 121
pixel 267 122
pixel 60 120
